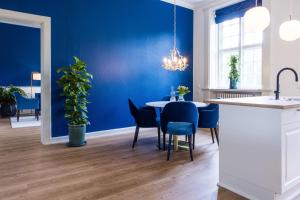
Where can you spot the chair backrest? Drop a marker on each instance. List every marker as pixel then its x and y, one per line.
pixel 208 116
pixel 133 109
pixel 24 103
pixel 18 97
pixel 212 106
pixel 179 112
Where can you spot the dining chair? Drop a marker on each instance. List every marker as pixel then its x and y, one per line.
pixel 179 118
pixel 38 96
pixel 144 117
pixel 24 103
pixel 208 118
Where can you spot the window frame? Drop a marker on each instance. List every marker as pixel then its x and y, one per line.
pixel 240 49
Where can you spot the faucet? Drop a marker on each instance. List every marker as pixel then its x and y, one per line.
pixel 277 81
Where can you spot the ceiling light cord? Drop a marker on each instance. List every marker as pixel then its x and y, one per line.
pixel 175 61
pixel 174 42
pixel 291 9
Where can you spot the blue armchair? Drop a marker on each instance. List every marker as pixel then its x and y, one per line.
pixel 208 118
pixel 24 103
pixel 144 117
pixel 179 118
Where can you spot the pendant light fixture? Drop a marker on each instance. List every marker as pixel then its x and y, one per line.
pixel 290 30
pixel 257 19
pixel 175 61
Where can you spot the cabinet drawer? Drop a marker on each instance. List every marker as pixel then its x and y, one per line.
pixel 291 115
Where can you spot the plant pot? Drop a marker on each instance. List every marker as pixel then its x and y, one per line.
pixel 233 84
pixel 76 135
pixel 8 110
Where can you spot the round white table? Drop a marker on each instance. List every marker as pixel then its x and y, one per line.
pixel 162 104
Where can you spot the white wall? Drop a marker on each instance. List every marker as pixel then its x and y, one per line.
pixel 199 36
pixel 276 53
pixel 284 54
pixel 27 90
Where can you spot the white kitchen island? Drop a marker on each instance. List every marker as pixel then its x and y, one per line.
pixel 260 147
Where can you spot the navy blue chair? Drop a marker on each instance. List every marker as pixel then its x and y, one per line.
pixel 24 103
pixel 144 117
pixel 179 118
pixel 208 118
pixel 38 96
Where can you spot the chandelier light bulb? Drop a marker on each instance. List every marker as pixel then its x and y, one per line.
pixel 290 30
pixel 257 19
pixel 165 60
pixel 175 61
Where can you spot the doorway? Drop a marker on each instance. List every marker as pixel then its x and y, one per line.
pixel 44 24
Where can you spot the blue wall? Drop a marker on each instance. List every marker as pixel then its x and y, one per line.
pixel 123 43
pixel 20 54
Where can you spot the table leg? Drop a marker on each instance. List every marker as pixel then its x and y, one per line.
pixel 175 142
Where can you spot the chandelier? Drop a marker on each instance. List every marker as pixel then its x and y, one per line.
pixel 175 61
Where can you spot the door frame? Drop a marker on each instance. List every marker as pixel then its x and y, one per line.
pixel 44 24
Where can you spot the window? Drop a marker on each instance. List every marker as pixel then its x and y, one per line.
pixel 228 37
pixel 234 40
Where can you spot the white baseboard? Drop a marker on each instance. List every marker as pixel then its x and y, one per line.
pixel 100 134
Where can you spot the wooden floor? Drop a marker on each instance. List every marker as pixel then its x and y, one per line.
pixel 106 169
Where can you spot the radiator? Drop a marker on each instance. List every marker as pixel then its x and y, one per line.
pixel 226 95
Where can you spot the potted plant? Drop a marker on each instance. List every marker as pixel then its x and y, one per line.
pixel 8 100
pixel 75 83
pixel 182 90
pixel 234 75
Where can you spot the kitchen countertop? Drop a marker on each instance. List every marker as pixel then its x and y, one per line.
pixel 261 101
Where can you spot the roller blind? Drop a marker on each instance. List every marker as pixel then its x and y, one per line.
pixel 235 10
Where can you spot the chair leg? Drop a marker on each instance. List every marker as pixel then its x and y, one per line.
pixel 18 115
pixel 164 141
pixel 194 139
pixel 169 146
pixel 158 134
pixel 36 112
pixel 217 135
pixel 190 147
pixel 135 135
pixel 212 135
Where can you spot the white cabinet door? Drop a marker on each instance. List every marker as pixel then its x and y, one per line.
pixel 291 148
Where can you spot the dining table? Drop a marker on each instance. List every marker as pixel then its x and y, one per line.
pixel 162 104
pixel 177 144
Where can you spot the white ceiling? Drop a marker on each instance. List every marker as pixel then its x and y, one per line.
pixel 197 2
pixel 194 1
pixel 191 4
